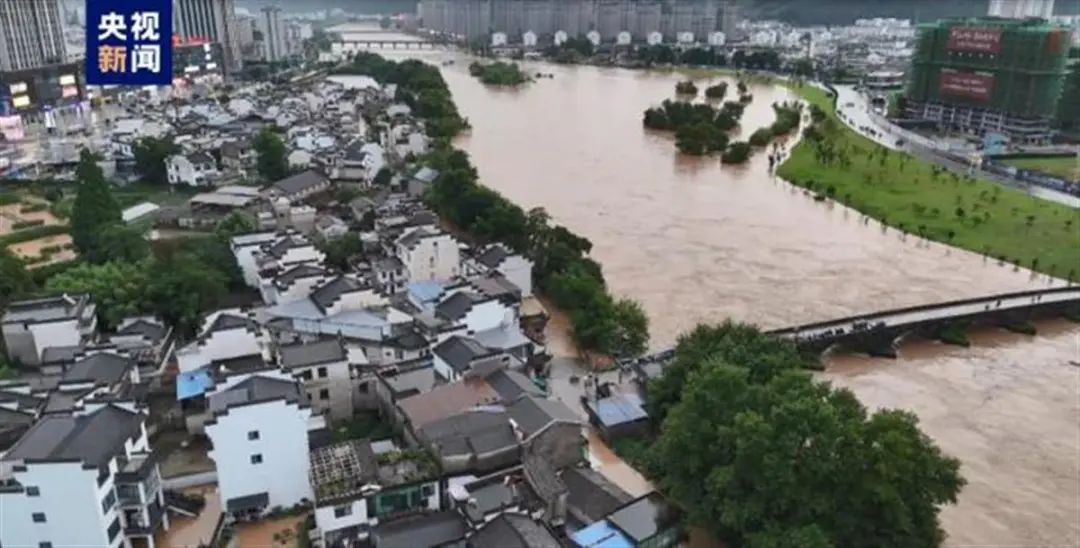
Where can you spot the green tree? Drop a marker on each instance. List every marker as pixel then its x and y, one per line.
pixel 631 337
pixel 271 156
pixel 150 155
pixel 119 242
pixel 181 287
pixel 95 207
pixel 234 224
pixel 383 177
pixel 15 281
pixel 764 456
pixel 118 288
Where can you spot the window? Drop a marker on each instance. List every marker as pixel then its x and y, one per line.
pixel 342 511
pixel 364 388
pixel 306 375
pixel 114 529
pixel 427 490
pixel 256 459
pixel 45 544
pixel 253 435
pixel 324 394
pixel 322 372
pixel 32 491
pixel 108 502
pixel 38 517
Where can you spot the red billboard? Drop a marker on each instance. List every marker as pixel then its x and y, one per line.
pixel 971 85
pixel 979 39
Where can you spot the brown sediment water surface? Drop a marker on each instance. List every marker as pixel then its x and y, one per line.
pixel 694 241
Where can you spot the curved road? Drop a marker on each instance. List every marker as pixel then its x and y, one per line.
pixel 854 110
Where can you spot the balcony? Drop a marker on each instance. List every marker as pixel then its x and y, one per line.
pixel 135 525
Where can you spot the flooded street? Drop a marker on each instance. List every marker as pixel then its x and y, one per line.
pixel 695 241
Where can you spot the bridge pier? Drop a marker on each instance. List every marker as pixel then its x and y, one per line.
pixel 877 345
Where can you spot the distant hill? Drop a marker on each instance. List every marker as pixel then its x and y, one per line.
pixel 794 11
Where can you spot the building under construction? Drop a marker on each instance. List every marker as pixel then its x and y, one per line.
pixel 989 75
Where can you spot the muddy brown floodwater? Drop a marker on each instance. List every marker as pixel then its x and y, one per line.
pixel 696 241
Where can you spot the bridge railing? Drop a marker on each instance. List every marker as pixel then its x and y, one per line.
pixel 923 308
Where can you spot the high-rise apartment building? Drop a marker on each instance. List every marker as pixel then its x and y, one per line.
pixel 31 34
pixel 989 75
pixel 274 38
pixel 1021 9
pixel 209 20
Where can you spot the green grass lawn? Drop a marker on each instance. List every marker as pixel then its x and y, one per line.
pixel 1061 166
pixel 904 192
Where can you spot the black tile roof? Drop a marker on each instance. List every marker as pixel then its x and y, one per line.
pixel 459 352
pixel 513 531
pixel 149 330
pixel 533 414
pixel 92 439
pixel 327 294
pixel 300 182
pixel 426 530
pixel 590 495
pixel 493 256
pixel 257 389
pixel 302 355
pixel 100 369
pixel 300 271
pixel 456 306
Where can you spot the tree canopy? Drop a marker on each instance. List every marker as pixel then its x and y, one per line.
pixel 95 207
pixel 118 288
pixel 761 454
pixel 150 156
pixel 271 157
pixel 15 281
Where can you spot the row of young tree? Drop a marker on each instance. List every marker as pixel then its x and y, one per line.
pixel 762 455
pixel 563 271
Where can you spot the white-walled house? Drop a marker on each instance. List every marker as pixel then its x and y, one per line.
pixel 361 162
pixel 82 479
pixel 263 255
pixel 259 428
pixel 196 170
pixel 356 487
pixel 428 255
pixel 225 336
pixel 324 370
pixel 293 284
pixel 33 326
pixel 515 268
pixel 245 247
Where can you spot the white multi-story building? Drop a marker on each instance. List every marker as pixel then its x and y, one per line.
pixel 354 492
pixel 31 34
pixel 275 45
pixel 323 368
pixel 225 336
pixel 428 255
pixel 82 479
pixel 197 170
pixel 264 255
pixel 1021 9
pixel 515 268
pixel 212 20
pixel 32 327
pixel 259 432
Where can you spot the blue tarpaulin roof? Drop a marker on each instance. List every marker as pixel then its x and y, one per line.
pixel 426 291
pixel 618 409
pixel 193 384
pixel 601 535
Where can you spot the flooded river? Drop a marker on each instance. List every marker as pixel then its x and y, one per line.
pixel 696 241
